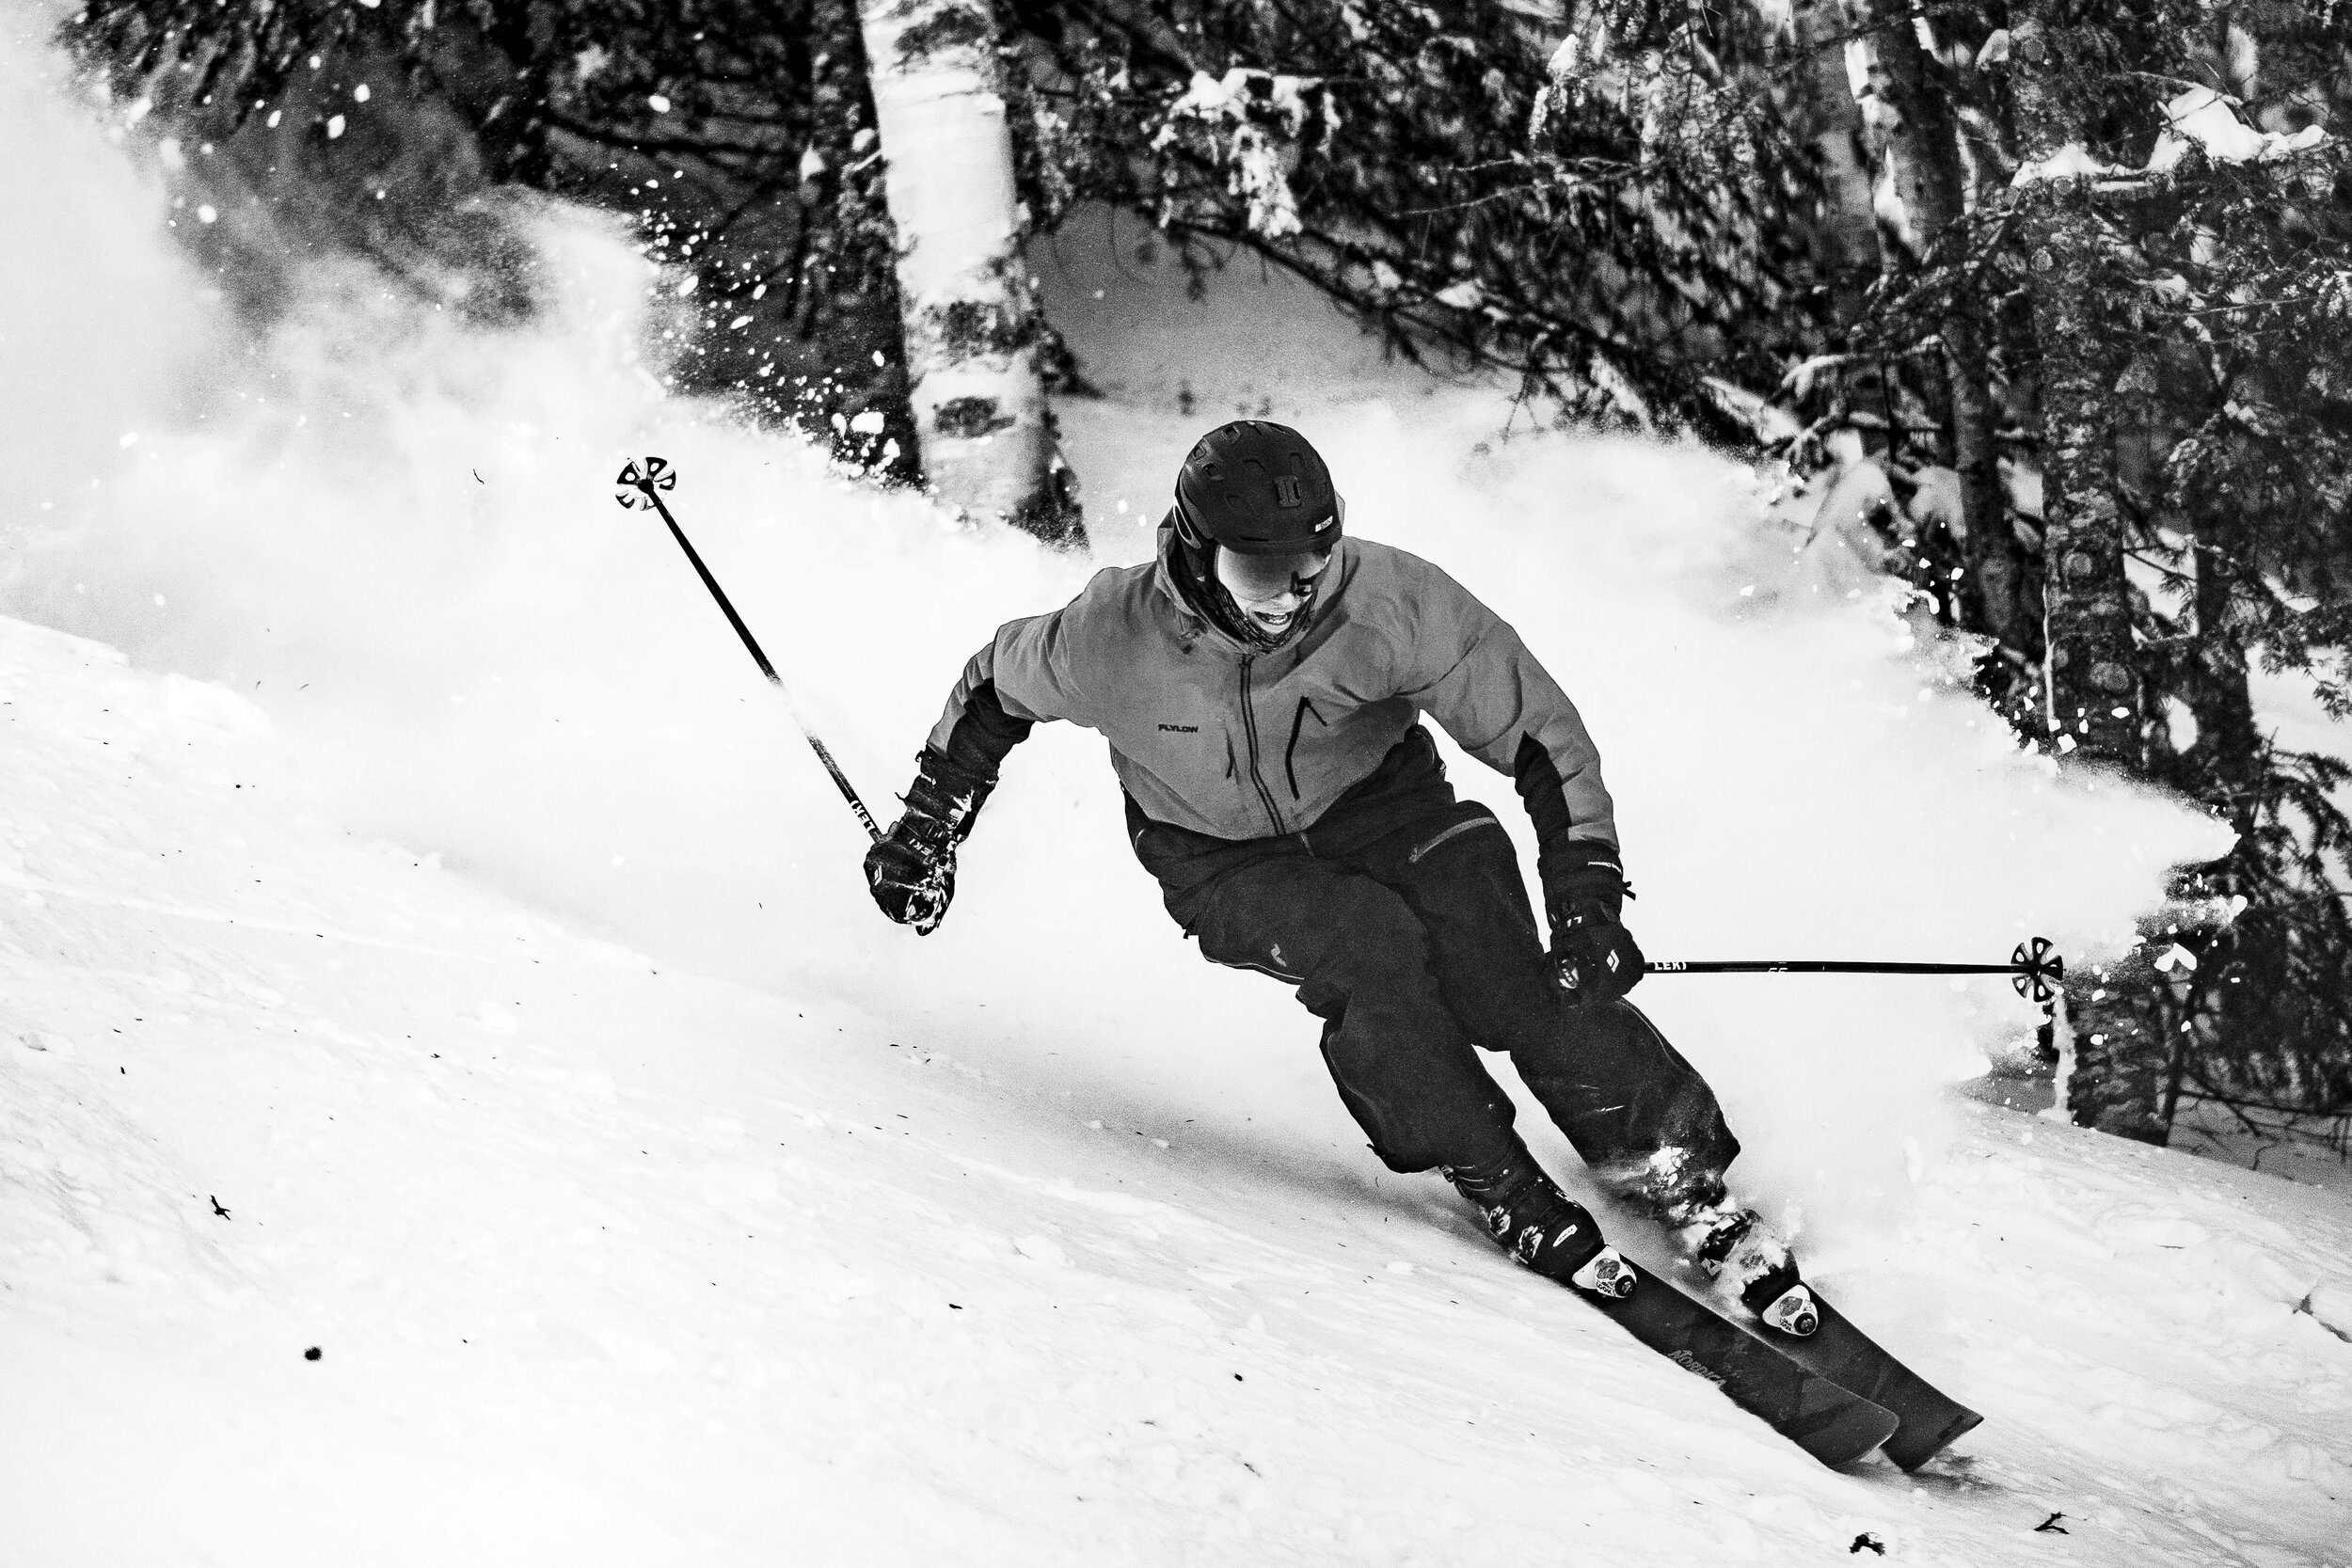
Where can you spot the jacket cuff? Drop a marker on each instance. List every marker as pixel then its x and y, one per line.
pixel 948 792
pixel 1595 880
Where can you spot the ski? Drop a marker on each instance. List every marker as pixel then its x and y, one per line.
pixel 1833 1423
pixel 1836 1350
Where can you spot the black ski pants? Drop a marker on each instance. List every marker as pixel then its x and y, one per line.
pixel 1408 931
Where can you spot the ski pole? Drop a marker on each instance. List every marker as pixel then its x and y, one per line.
pixel 647 483
pixel 2034 968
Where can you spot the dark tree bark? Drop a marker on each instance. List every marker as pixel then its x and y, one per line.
pixel 2094 706
pixel 2119 1075
pixel 2094 687
pixel 2117 1079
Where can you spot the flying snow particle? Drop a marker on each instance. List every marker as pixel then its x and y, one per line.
pixel 159 601
pixel 738 323
pixel 334 126
pixel 867 423
pixel 877 359
pixel 130 439
pixel 359 93
pixel 208 212
pixel 657 104
pixel 274 116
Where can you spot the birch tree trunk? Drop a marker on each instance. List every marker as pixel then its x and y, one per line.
pixel 1924 149
pixel 974 327
pixel 1846 245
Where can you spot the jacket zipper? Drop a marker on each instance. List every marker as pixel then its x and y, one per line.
pixel 1249 732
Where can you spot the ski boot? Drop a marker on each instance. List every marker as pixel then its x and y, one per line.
pixel 1539 1226
pixel 1731 1245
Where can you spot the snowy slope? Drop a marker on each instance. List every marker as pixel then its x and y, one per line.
pixel 611 1264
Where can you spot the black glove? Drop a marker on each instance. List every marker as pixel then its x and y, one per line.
pixel 911 869
pixel 1594 958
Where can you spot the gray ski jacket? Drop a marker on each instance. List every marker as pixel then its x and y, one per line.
pixel 1239 743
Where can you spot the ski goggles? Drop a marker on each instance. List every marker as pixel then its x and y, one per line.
pixel 1264 579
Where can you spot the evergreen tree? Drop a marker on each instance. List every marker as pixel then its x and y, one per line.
pixel 1383 154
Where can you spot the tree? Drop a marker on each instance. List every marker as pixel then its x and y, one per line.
pixel 1927 152
pixel 1382 153
pixel 1828 118
pixel 975 331
pixel 2185 272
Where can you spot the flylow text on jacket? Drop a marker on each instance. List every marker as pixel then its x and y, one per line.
pixel 1242 743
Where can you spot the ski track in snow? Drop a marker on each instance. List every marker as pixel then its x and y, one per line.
pixel 608 1263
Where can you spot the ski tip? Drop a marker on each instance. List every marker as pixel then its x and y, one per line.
pixel 1909 1451
pixel 1845 1431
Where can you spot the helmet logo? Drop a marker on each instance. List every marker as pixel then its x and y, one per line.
pixel 1288 491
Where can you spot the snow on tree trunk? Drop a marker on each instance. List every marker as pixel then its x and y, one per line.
pixel 974 327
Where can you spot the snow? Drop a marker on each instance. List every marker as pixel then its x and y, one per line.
pixel 2199 117
pixel 2195 117
pixel 1242 104
pixel 610 1262
pixel 423 939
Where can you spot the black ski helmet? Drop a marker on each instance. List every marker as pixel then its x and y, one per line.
pixel 1257 488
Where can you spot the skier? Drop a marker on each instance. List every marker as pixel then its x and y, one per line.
pixel 1260 685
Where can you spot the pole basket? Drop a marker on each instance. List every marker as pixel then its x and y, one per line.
pixel 639 482
pixel 2039 970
